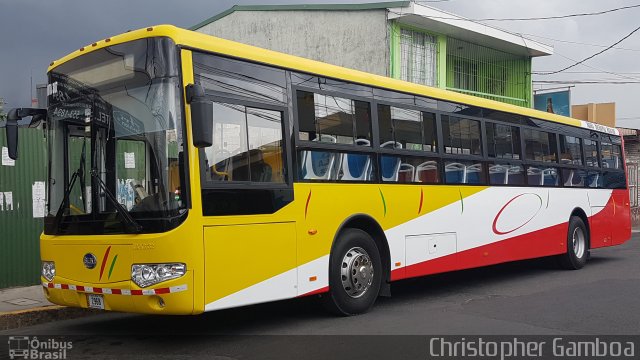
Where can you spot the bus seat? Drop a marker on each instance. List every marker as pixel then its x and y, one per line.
pixel 534 176
pixel 427 172
pixel 515 176
pixel 454 173
pixel 389 167
pixel 405 173
pixel 318 165
pixel 356 166
pixel 474 174
pixel 550 177
pixel 498 174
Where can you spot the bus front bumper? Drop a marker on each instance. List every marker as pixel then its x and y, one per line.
pixel 173 297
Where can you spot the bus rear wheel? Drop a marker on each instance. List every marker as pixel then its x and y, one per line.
pixel 355 273
pixel 577 245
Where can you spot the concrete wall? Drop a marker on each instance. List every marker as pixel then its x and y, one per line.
pixel 353 39
pixel 602 113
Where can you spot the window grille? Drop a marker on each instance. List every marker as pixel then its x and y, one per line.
pixel 418 57
pixel 481 71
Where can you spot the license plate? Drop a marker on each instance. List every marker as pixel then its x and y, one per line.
pixel 95 301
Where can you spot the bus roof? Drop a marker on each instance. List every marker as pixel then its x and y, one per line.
pixel 210 43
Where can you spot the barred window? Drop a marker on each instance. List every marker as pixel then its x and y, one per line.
pixel 418 54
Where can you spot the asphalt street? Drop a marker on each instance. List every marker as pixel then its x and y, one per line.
pixel 531 297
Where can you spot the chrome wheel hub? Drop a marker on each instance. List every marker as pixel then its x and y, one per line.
pixel 578 242
pixel 356 272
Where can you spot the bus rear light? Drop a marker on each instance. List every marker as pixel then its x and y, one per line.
pixel 150 274
pixel 48 270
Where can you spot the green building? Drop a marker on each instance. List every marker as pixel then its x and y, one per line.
pixel 402 39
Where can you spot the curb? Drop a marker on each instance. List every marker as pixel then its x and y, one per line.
pixel 40 315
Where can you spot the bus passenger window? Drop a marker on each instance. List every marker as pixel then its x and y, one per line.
pixel 343 119
pixel 407 128
pixel 591 152
pixel 610 155
pixel 540 145
pixel 570 150
pixel 503 141
pixel 247 145
pixel 461 136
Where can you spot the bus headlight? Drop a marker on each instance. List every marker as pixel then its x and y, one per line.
pixel 150 274
pixel 48 270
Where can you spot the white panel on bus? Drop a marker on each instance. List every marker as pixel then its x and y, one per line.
pixel 425 247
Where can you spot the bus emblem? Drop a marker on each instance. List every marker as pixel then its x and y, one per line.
pixel 89 261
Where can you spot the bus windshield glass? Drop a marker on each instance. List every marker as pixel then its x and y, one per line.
pixel 115 141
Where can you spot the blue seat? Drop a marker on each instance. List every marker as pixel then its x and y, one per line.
pixel 389 167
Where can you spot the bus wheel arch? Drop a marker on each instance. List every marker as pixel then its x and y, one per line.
pixel 358 253
pixel 578 242
pixel 583 216
pixel 367 224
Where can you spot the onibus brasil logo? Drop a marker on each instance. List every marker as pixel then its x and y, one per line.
pixel 25 347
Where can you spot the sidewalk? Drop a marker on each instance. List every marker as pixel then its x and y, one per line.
pixel 22 298
pixel 26 306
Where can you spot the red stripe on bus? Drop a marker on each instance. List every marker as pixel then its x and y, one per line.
pixel 316 292
pixel 104 261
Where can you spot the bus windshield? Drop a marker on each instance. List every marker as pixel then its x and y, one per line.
pixel 115 141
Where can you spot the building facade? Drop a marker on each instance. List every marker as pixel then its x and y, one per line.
pixel 400 39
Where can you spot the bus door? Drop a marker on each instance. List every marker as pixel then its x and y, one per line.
pixel 249 229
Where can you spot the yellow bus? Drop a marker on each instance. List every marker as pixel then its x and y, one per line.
pixel 189 173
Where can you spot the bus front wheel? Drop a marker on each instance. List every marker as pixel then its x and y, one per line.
pixel 577 245
pixel 355 273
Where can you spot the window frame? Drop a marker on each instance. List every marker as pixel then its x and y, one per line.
pixel 286 158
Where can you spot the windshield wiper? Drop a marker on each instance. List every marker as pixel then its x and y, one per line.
pixel 67 192
pixel 129 221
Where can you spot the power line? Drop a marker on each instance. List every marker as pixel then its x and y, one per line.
pixel 595 72
pixel 598 69
pixel 534 18
pixel 582 82
pixel 578 43
pixel 562 16
pixel 590 57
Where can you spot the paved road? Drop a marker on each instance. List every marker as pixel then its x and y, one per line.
pixel 528 297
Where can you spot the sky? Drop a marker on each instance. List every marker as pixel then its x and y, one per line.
pixel 35 32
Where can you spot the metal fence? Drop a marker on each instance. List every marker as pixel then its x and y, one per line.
pixel 634 200
pixel 22 207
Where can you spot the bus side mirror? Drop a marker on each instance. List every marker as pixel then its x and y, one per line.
pixel 12 126
pixel 12 137
pixel 201 116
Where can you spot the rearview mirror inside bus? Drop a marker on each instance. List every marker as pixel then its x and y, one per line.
pixel 201 116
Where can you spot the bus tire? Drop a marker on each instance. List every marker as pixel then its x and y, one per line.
pixel 577 245
pixel 355 273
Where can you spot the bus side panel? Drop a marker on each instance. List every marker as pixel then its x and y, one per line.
pixel 249 264
pixel 600 218
pixel 621 220
pixel 495 225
